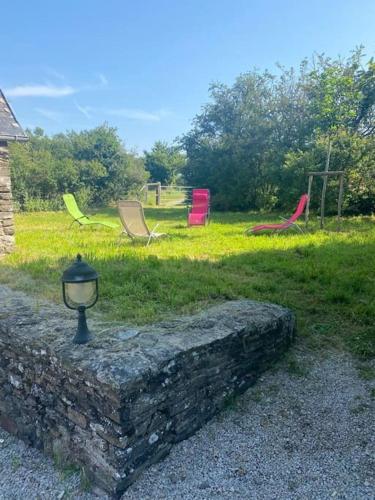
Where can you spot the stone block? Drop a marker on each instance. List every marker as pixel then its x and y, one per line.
pixel 6 207
pixel 8 230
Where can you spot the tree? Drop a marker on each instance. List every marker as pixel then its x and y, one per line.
pixel 93 164
pixel 164 163
pixel 239 141
pixel 248 143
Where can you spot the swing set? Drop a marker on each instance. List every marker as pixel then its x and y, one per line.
pixel 325 175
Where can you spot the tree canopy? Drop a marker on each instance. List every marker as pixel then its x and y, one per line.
pixel 93 164
pixel 254 142
pixel 164 163
pixel 251 145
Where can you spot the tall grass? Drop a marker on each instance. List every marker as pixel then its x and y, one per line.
pixel 326 277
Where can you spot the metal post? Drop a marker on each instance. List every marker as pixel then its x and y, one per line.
pixel 83 333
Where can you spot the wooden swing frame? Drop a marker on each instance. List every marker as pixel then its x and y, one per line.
pixel 325 175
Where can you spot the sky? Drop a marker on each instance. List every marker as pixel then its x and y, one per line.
pixel 145 66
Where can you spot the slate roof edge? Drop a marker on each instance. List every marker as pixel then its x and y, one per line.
pixel 4 137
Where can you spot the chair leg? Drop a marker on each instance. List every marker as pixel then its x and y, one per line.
pixel 120 236
pixel 294 225
pixel 297 226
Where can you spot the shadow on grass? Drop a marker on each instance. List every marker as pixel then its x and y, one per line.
pixel 329 286
pixel 162 213
pixel 142 242
pixel 179 214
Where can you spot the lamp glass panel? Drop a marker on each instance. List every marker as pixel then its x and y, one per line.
pixel 80 294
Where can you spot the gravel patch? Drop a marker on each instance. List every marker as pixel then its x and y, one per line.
pixel 25 473
pixel 305 430
pixel 290 436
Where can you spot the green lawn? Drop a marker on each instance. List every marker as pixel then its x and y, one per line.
pixel 326 277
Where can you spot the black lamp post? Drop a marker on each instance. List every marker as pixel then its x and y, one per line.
pixel 80 292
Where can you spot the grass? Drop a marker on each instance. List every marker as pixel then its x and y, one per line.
pixel 294 367
pixel 366 372
pixel 326 277
pixel 16 463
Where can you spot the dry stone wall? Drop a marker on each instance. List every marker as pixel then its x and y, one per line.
pixel 119 403
pixel 6 208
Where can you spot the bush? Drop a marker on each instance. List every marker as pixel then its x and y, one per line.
pixel 254 142
pixel 93 164
pixel 40 205
pixel 84 197
pixel 352 153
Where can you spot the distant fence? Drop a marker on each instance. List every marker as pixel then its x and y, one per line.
pixel 167 196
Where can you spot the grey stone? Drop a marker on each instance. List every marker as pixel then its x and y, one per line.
pixel 119 403
pixel 6 206
pixel 127 334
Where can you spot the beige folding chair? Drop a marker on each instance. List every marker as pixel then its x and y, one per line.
pixel 133 221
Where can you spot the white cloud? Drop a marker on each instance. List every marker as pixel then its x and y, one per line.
pixel 85 110
pixel 164 112
pixel 129 113
pixel 51 115
pixel 135 114
pixel 132 114
pixel 54 73
pixel 103 79
pixel 39 91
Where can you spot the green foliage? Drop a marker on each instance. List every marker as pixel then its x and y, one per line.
pixel 352 153
pixel 92 164
pixel 164 163
pixel 333 94
pixel 16 462
pixel 366 372
pixel 231 401
pixel 255 141
pixel 84 480
pixel 41 205
pixel 294 367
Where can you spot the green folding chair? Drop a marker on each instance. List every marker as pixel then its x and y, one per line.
pixel 78 216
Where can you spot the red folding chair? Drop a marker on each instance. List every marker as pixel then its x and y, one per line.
pixel 288 222
pixel 200 208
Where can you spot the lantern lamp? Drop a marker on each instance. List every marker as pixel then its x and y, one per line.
pixel 80 292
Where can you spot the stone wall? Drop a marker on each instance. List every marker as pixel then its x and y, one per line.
pixel 6 209
pixel 119 403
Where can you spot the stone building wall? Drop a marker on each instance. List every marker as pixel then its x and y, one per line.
pixel 6 206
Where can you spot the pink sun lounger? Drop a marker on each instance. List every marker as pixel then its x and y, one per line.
pixel 200 209
pixel 288 222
